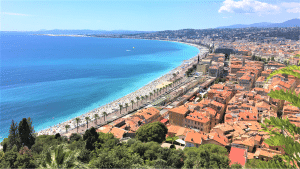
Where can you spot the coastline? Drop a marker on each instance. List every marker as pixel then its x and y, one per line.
pixel 113 107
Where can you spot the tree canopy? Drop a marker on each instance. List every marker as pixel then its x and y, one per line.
pixel 152 132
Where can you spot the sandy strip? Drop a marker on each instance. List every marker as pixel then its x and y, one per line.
pixel 114 105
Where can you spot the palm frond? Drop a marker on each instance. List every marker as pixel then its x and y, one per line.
pixel 289 96
pixel 290 70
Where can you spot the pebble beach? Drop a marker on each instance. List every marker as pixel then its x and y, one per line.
pixel 113 106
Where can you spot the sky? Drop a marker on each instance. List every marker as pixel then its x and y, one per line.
pixel 141 15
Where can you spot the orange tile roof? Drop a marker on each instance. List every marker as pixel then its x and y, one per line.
pixel 104 129
pixel 258 138
pixel 248 116
pixel 199 117
pixel 173 128
pixel 245 78
pixel 117 132
pixel 194 137
pixel 219 138
pixel 148 113
pixel 180 110
pixel 217 86
pixel 261 79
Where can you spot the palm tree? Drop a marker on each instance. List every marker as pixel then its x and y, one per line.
pixel 77 122
pixel 137 100
pixel 151 95
pixel 157 91
pixel 142 97
pixel 120 108
pixel 104 114
pixel 132 103
pixel 61 159
pixel 154 92
pixel 67 127
pixel 126 105
pixel 172 139
pixel 160 90
pixel 146 97
pixel 87 121
pixel 96 116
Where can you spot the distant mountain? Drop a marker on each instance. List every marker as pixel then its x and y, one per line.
pixel 86 31
pixel 289 23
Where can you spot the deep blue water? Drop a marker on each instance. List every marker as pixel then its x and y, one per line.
pixel 62 77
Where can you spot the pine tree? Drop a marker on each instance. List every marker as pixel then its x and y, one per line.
pixel 26 133
pixel 13 136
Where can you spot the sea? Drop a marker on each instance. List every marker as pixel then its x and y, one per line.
pixel 52 79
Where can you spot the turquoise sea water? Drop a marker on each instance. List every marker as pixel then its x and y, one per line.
pixel 52 79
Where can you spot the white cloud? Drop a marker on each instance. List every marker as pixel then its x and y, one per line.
pixel 247 6
pixel 291 7
pixel 14 14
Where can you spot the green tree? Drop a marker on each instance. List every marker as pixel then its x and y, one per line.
pixel 132 104
pixel 75 137
pixel 142 97
pixel 67 127
pixel 91 137
pixel 137 100
pixel 118 157
pixel 206 156
pixel 273 163
pixel 77 122
pixel 37 147
pixel 272 58
pixel 172 139
pixel 126 106
pixel 84 156
pixel 58 159
pixel 87 119
pixel 104 115
pixel 13 137
pixel 287 142
pixel 96 117
pixel 26 134
pixel 152 132
pixel 151 95
pixel 160 163
pixel 8 160
pixel 236 165
pixel 25 159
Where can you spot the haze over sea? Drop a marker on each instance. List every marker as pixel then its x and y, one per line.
pixel 55 78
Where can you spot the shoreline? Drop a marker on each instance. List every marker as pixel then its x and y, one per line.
pixel 113 106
